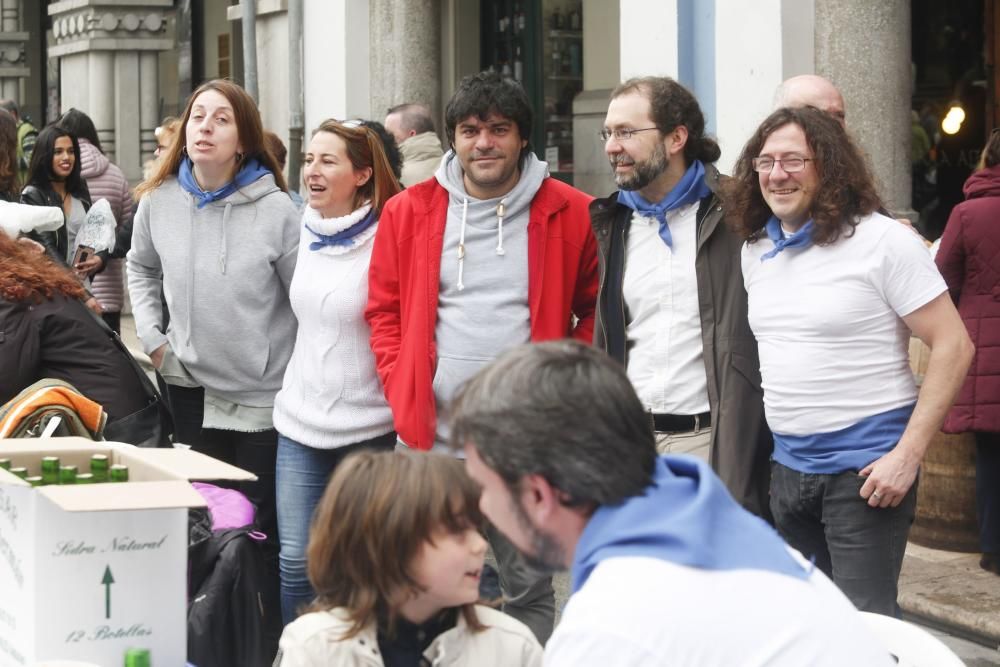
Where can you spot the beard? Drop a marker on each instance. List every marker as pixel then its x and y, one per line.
pixel 643 173
pixel 546 556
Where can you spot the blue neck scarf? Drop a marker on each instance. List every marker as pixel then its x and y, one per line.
pixel 251 172
pixel 689 189
pixel 345 237
pixel 800 239
pixel 686 517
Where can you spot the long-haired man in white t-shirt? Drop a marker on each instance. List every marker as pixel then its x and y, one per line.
pixel 834 291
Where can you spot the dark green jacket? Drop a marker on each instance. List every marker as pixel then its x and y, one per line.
pixel 741 442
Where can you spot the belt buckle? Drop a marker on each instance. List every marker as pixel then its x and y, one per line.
pixel 697 423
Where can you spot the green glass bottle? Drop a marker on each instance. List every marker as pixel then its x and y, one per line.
pixel 85 478
pixel 137 657
pixel 99 467
pixel 67 474
pixel 20 471
pixel 34 480
pixel 119 473
pixel 50 470
pixel 5 464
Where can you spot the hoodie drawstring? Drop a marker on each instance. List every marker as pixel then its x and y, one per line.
pixel 461 243
pixel 222 251
pixel 501 209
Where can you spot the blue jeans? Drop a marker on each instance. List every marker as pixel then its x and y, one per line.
pixel 859 547
pixel 302 476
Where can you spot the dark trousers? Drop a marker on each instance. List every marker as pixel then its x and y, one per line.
pixel 988 490
pixel 255 452
pixel 859 547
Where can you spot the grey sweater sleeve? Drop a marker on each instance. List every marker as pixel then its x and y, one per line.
pixel 291 225
pixel 145 281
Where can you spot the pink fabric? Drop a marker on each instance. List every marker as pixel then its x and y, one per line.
pixel 106 181
pixel 229 508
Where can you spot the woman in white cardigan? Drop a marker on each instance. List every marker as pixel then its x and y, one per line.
pixel 331 402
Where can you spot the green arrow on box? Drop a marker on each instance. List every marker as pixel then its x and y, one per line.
pixel 107 580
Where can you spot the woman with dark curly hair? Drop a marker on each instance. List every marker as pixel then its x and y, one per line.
pixel 834 289
pixel 47 332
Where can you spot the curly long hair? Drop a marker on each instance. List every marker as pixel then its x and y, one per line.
pixel 10 186
pixel 28 276
pixel 846 190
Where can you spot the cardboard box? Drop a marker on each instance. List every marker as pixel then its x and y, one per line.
pixel 88 571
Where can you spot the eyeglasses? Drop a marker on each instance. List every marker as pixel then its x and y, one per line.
pixel 764 165
pixel 622 133
pixel 352 124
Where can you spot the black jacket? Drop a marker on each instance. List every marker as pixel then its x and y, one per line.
pixel 60 338
pixel 225 623
pixel 741 442
pixel 56 242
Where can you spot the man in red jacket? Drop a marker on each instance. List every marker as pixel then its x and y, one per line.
pixel 489 254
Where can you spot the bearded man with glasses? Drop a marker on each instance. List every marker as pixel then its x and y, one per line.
pixel 835 288
pixel 671 306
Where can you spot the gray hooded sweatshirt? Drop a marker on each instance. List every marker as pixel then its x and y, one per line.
pixel 483 295
pixel 225 269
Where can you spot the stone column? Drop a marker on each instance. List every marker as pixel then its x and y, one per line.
pixel 13 67
pixel 405 54
pixel 877 93
pixel 107 63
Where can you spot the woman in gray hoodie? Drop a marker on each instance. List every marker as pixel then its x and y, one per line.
pixel 216 234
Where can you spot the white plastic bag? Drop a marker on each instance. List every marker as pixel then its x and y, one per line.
pixel 98 229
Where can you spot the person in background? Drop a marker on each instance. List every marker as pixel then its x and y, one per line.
pixel 413 128
pixel 105 181
pixel 54 179
pixel 970 263
pixel 395 555
pixel 164 134
pixel 277 147
pixel 389 145
pixel 331 402
pixel 665 567
pixel 829 278
pixel 216 234
pixel 46 331
pixel 10 180
pixel 27 134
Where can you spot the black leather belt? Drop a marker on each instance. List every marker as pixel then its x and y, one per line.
pixel 681 423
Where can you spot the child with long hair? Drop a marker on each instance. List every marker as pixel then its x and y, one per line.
pixel 395 556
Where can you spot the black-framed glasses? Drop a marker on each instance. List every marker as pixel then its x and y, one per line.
pixel 622 133
pixel 764 165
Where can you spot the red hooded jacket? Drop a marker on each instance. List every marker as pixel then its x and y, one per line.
pixel 969 260
pixel 403 285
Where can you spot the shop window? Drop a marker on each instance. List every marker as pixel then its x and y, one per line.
pixel 540 43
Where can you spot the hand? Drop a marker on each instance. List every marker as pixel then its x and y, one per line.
pixel 156 356
pixel 34 246
pixel 94 305
pixel 89 266
pixel 889 479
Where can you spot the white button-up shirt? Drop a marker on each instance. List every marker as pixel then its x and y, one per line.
pixel 660 287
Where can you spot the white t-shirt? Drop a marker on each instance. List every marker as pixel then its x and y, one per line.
pixel 641 612
pixel 833 346
pixel 660 288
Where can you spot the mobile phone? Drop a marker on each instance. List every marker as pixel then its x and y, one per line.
pixel 83 253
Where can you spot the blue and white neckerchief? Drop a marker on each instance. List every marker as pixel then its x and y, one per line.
pixel 689 189
pixel 800 239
